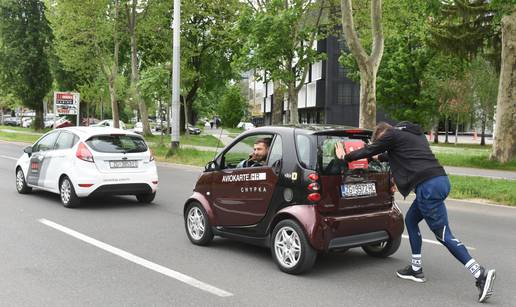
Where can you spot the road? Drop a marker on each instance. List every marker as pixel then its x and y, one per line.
pixel 117 252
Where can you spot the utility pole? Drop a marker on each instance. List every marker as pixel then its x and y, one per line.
pixel 175 109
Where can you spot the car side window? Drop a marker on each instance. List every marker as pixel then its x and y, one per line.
pixel 66 140
pixel 46 143
pixel 276 152
pixel 242 151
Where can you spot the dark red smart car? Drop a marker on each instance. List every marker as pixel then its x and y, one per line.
pixel 301 200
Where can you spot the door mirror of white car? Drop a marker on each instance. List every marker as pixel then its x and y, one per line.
pixel 28 150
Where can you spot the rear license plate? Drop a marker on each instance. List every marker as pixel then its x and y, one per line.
pixel 358 189
pixel 123 164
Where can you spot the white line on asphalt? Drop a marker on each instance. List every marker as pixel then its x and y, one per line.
pixel 436 242
pixel 138 260
pixel 7 157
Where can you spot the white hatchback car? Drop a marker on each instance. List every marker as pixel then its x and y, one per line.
pixel 78 162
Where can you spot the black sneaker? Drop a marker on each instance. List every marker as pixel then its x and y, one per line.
pixel 408 273
pixel 485 283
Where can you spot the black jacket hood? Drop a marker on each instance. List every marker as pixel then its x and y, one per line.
pixel 409 127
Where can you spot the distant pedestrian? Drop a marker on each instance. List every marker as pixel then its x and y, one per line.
pixel 211 124
pixel 415 167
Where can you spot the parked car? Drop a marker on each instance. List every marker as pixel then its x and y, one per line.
pixel 78 162
pixel 245 126
pixel 109 123
pixel 12 121
pixel 61 122
pixel 301 202
pixel 89 121
pixel 193 130
pixel 26 122
pixel 138 128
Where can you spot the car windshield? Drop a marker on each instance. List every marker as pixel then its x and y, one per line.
pixel 117 143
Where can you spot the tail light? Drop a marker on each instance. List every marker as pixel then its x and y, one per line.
pixel 315 197
pixel 313 176
pixel 314 187
pixel 151 158
pixel 84 153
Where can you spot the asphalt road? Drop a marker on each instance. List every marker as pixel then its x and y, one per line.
pixel 117 252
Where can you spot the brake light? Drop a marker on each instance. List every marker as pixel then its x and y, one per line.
pixel 314 186
pixel 84 153
pixel 315 197
pixel 353 131
pixel 313 176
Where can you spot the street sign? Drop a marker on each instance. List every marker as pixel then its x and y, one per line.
pixel 66 103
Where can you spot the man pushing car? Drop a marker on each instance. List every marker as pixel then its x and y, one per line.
pixel 414 167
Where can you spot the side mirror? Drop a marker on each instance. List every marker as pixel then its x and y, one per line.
pixel 28 150
pixel 211 166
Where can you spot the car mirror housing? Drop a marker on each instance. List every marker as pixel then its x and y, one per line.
pixel 211 166
pixel 28 150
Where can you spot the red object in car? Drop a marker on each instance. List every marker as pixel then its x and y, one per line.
pixel 350 146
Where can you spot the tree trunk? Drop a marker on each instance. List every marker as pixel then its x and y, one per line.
pixel 38 120
pixel 504 146
pixel 367 116
pixel 367 64
pixel 277 104
pixel 436 131
pixel 446 127
pixel 114 71
pixel 1 116
pixel 292 104
pixel 483 135
pixel 114 103
pixel 457 129
pixel 185 109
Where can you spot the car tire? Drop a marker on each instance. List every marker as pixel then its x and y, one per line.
pixel 21 184
pixel 383 249
pixel 286 235
pixel 146 198
pixel 197 225
pixel 69 198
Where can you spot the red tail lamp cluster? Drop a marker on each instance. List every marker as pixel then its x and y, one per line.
pixel 314 188
pixel 84 153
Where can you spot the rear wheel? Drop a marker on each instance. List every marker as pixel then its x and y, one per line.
pixel 198 228
pixel 21 184
pixel 290 248
pixel 67 193
pixel 146 198
pixel 383 249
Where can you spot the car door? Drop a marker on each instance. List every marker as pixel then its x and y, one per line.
pixel 58 159
pixel 38 161
pixel 241 195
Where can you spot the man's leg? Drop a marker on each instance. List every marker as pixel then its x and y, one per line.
pixel 414 271
pixel 431 195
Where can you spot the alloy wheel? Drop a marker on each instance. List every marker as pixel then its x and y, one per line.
pixel 287 246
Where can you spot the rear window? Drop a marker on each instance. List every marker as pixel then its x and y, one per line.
pixel 117 143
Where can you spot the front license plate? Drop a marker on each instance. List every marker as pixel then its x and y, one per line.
pixel 123 164
pixel 358 189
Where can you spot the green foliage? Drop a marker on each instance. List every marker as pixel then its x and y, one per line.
pixel 232 107
pixel 483 84
pixel 24 50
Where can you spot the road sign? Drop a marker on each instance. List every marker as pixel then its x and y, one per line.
pixel 66 103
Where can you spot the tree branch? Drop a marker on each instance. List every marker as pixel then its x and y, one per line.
pixel 377 31
pixel 350 33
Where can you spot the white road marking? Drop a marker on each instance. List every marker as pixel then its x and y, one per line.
pixel 138 260
pixel 7 157
pixel 435 242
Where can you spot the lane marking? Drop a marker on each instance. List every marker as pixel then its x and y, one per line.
pixel 138 260
pixel 435 242
pixel 7 157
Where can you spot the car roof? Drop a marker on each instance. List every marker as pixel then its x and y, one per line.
pixel 86 132
pixel 315 129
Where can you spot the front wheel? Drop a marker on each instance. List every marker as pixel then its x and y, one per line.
pixel 197 225
pixel 21 184
pixel 290 248
pixel 383 249
pixel 67 193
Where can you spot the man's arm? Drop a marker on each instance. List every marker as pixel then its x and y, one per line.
pixel 379 146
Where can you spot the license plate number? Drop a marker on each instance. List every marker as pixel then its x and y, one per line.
pixel 358 189
pixel 123 164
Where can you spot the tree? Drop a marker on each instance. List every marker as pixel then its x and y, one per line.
pixel 87 41
pixel 279 39
pixel 504 147
pixel 232 107
pixel 367 64
pixel 483 89
pixel 24 52
pixel 131 12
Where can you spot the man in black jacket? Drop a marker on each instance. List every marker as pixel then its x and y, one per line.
pixel 415 167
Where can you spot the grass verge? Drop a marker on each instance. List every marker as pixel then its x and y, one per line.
pixel 197 140
pixel 475 161
pixel 495 190
pixel 189 156
pixel 18 137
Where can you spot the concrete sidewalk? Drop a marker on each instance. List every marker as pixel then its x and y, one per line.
pixel 489 173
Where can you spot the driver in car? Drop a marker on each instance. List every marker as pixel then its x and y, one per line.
pixel 259 155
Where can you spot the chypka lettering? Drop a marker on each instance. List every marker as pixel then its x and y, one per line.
pixel 253 189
